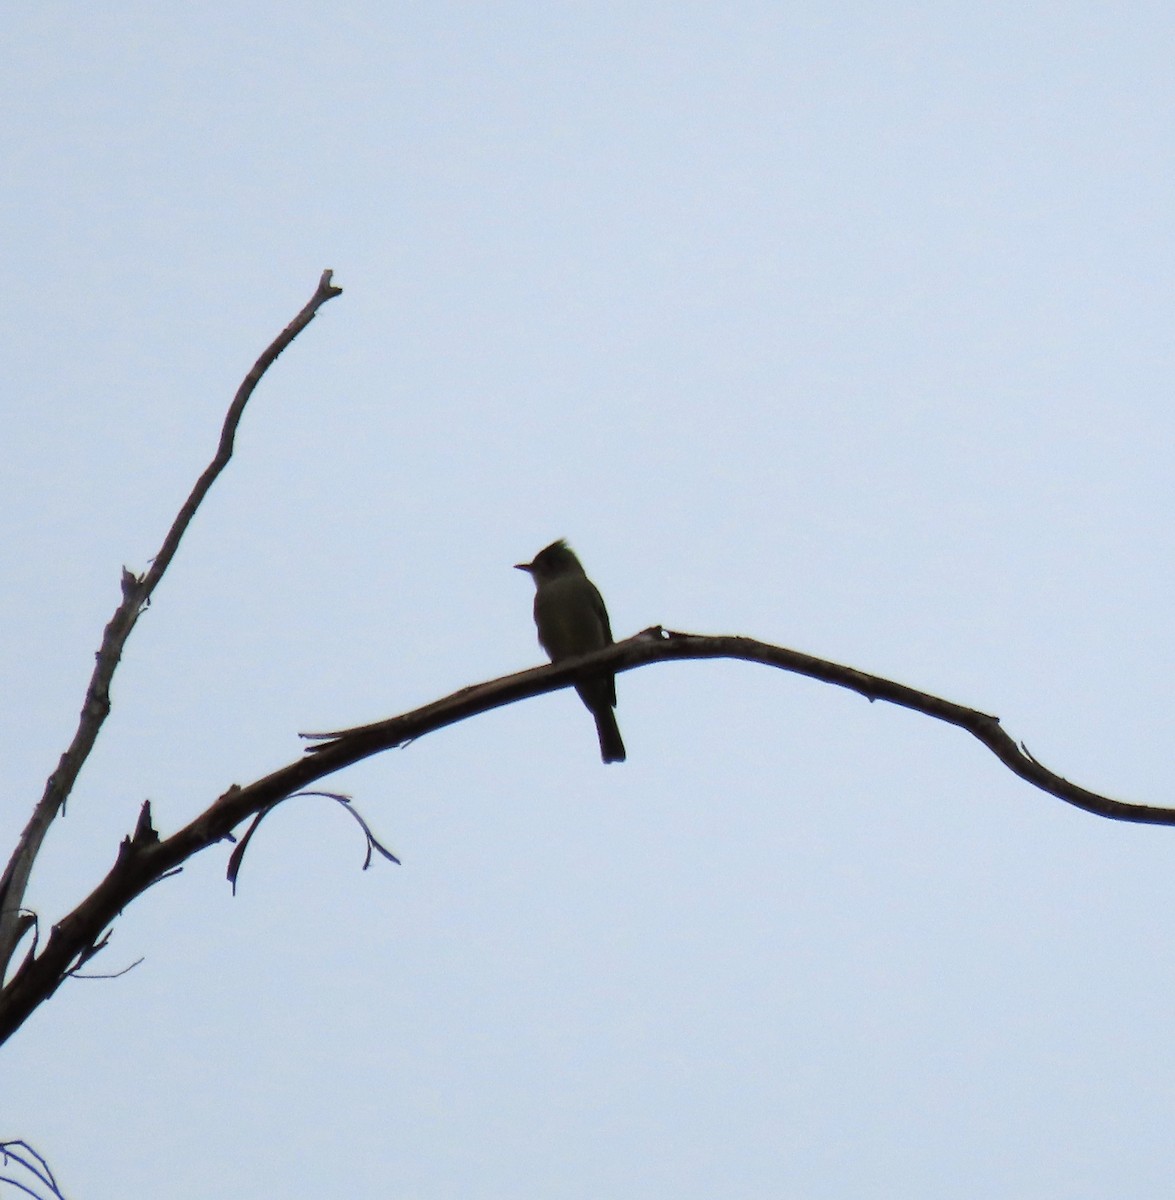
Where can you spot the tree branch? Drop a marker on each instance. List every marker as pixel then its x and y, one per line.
pixel 143 858
pixel 662 645
pixel 32 1164
pixel 136 595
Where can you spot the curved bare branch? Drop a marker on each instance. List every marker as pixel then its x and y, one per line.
pixel 144 858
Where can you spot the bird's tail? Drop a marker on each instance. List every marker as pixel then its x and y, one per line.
pixel 611 743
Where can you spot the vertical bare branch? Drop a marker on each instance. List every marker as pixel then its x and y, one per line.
pixel 136 593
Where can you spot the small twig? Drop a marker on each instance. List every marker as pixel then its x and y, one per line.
pixel 238 855
pixel 373 843
pixel 91 951
pixel 38 1168
pixel 76 974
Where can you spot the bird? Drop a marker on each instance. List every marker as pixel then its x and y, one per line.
pixel 572 620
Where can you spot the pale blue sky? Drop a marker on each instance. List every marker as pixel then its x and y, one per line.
pixel 848 327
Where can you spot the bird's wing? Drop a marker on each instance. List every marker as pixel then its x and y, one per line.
pixel 602 613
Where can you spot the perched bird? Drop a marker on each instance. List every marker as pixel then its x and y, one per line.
pixel 572 620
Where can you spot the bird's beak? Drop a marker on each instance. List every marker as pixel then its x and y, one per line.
pixel 527 567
